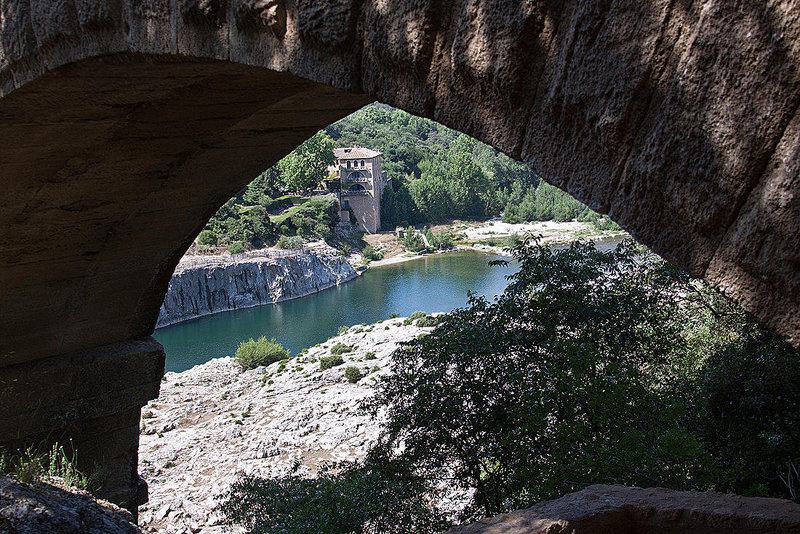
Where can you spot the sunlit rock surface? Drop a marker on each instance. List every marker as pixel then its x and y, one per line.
pixel 203 285
pixel 214 422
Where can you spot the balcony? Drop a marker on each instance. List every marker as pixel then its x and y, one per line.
pixel 352 192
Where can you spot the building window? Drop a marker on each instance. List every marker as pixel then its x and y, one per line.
pixel 356 175
pixel 348 164
pixel 362 162
pixel 345 204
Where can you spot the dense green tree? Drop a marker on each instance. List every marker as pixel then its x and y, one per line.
pixel 591 367
pixel 306 166
pixel 265 185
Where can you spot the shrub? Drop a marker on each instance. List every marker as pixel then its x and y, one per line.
pixel 342 330
pixel 207 237
pixel 328 362
pixel 369 356
pixel 289 242
pixel 413 240
pixel 370 254
pixel 341 348
pixel 394 315
pixel 512 241
pixel 418 315
pixel 427 322
pixel 237 247
pixel 346 497
pixel 254 353
pixel 352 374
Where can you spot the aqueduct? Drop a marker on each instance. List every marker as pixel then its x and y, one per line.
pixel 124 124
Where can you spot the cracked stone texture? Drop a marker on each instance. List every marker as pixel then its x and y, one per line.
pixel 626 510
pixel 55 508
pixel 214 422
pixel 124 124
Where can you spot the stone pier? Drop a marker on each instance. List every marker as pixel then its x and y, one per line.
pixel 89 402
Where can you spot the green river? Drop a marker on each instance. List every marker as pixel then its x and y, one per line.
pixel 434 283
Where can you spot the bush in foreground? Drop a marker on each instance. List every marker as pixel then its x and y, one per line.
pixel 254 353
pixel 349 497
pixel 611 368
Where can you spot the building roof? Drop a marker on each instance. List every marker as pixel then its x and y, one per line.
pixel 357 152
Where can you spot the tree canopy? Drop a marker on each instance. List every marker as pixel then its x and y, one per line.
pixel 306 166
pixel 592 367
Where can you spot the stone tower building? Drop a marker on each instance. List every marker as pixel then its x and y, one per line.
pixel 363 181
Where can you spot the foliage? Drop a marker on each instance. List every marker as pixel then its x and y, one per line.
pixel 440 241
pixel 30 466
pixel 334 502
pixel 412 240
pixel 370 254
pixel 207 237
pixel 254 353
pixel 352 374
pixel 428 321
pixel 238 225
pixel 342 330
pixel 306 166
pixel 418 315
pixel 645 386
pixel 328 362
pixel 341 348
pixel 289 242
pixel 236 247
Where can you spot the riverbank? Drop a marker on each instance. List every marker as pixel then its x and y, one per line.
pixel 485 236
pixel 205 285
pixel 214 422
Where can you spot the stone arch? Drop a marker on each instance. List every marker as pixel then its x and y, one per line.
pixel 124 124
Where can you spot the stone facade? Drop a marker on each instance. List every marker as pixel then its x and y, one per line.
pixel 363 181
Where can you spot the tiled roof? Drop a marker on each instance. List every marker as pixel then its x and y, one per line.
pixel 355 153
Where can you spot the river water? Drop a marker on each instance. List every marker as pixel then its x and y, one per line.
pixel 435 283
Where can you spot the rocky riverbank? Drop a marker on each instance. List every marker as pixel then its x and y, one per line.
pixel 202 285
pixel 214 422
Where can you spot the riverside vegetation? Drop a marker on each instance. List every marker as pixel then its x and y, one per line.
pixel 436 174
pixel 591 367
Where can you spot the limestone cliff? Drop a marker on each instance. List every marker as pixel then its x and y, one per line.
pixel 205 285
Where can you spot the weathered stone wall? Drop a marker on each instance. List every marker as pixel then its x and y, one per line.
pixel 202 286
pixel 125 124
pixel 89 403
pixel 677 117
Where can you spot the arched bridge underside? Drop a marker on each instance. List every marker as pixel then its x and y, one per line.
pixel 124 124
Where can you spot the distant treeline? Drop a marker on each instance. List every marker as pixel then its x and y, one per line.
pixel 439 174
pixel 436 174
